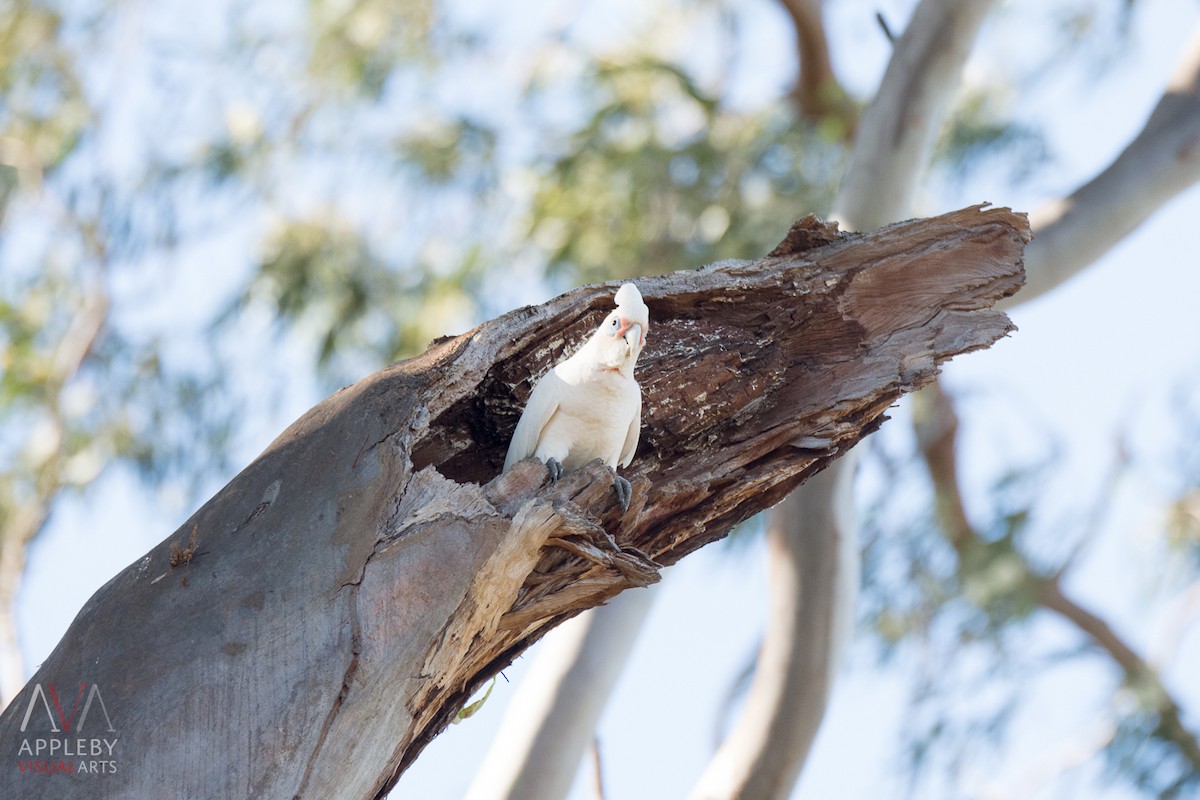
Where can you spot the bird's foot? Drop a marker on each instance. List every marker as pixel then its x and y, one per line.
pixel 555 468
pixel 624 492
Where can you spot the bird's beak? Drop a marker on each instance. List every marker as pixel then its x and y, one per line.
pixel 632 332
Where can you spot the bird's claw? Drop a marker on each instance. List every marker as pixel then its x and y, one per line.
pixel 624 492
pixel 555 469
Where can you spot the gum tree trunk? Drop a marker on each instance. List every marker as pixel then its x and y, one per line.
pixel 313 626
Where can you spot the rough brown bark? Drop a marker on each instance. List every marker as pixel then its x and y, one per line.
pixel 316 623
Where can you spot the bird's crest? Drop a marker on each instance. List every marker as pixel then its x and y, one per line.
pixel 629 300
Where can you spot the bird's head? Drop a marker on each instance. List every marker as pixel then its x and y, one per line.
pixel 622 335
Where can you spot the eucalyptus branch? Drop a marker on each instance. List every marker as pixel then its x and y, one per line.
pixel 817 92
pixel 1162 161
pixel 936 424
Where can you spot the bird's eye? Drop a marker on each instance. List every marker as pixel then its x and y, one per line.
pixel 614 322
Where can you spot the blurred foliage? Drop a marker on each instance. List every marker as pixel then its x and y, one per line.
pixel 1143 752
pixel 366 175
pixel 1183 511
pixel 358 43
pixel 1183 522
pixel 43 112
pixel 75 393
pixel 980 135
pixel 662 176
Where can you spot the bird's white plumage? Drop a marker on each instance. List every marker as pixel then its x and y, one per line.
pixel 628 297
pixel 589 406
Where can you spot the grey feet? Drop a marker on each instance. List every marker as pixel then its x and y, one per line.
pixel 624 492
pixel 621 486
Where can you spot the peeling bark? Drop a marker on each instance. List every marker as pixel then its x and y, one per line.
pixel 354 584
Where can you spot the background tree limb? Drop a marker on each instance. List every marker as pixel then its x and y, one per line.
pixel 818 93
pixel 551 718
pixel 1161 161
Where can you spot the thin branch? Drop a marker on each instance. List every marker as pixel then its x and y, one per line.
pixel 597 769
pixel 817 91
pixel 883 25
pixel 936 423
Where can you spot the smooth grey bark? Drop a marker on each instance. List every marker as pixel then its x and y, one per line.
pixel 1161 161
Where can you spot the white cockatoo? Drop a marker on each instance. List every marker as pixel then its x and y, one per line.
pixel 590 406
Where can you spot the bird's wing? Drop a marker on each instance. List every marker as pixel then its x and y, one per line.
pixel 543 402
pixel 632 435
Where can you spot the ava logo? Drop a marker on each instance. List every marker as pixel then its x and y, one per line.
pixel 93 695
pixel 81 740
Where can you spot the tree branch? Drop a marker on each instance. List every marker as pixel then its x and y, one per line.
pixel 900 126
pixel 1162 161
pixel 353 586
pixel 817 91
pixel 936 425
